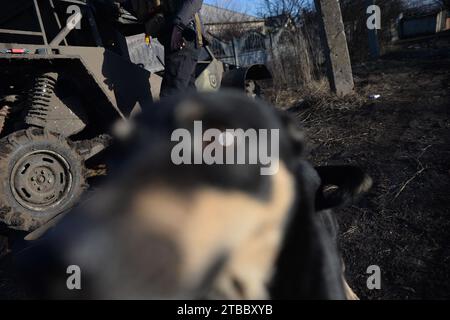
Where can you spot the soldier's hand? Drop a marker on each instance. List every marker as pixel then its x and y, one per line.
pixel 177 41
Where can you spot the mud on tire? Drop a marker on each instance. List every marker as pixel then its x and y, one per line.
pixel 41 176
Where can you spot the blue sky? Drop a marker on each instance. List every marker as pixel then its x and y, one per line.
pixel 246 6
pixel 252 7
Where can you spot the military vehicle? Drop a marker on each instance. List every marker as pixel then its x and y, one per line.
pixel 65 78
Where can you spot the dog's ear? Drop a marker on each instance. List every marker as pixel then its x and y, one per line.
pixel 341 186
pixel 294 133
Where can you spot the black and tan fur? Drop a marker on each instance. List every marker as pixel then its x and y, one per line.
pixel 165 231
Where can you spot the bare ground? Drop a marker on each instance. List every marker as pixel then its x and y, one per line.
pixel 403 141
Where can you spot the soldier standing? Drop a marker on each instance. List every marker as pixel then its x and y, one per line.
pixel 177 25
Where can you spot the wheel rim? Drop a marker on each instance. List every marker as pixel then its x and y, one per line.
pixel 41 180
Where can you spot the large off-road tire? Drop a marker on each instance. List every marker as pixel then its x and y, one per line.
pixel 41 176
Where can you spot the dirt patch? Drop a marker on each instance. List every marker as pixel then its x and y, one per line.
pixel 403 140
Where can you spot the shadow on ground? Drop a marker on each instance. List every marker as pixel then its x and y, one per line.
pixel 403 140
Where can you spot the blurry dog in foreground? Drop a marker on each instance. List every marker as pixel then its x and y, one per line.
pixel 161 230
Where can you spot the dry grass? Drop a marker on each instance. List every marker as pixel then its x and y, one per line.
pixel 315 95
pixel 402 140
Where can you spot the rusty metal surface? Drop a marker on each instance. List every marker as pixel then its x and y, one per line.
pixel 123 83
pixel 48 111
